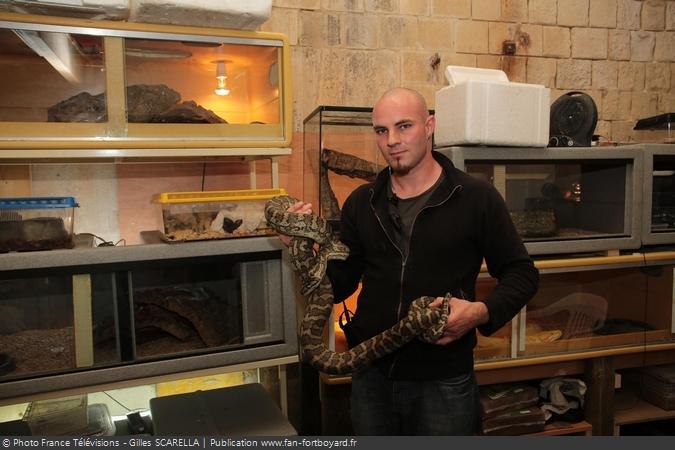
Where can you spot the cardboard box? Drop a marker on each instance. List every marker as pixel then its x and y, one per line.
pixel 482 107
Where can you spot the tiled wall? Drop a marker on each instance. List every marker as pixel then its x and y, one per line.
pixel 621 52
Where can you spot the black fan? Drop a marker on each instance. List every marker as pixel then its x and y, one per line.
pixel 573 119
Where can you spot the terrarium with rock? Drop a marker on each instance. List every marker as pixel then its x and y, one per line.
pixel 141 86
pixel 90 320
pixel 204 215
pixel 658 213
pixel 563 200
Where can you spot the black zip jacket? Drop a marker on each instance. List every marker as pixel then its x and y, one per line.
pixel 464 222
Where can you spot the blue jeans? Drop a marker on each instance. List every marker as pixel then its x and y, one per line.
pixel 384 407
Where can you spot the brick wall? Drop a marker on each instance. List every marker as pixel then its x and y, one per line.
pixel 347 52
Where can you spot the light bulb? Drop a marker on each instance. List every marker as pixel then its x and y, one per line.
pixel 222 89
pixel 221 75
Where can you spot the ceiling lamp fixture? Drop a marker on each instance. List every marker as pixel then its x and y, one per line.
pixel 221 76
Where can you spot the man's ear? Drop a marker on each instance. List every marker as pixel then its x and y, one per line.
pixel 430 126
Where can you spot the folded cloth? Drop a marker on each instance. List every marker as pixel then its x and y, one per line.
pixel 561 395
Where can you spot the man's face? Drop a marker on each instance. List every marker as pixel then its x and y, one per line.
pixel 403 129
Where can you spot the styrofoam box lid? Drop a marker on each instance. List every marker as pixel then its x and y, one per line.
pixel 96 9
pixel 38 203
pixel 237 14
pixel 460 74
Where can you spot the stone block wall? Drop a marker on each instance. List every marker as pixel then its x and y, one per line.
pixel 347 52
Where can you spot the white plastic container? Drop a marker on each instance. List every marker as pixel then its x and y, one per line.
pixel 234 14
pixel 91 9
pixel 482 107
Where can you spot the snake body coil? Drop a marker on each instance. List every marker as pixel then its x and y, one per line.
pixel 310 266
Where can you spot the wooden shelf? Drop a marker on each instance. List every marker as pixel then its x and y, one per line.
pixel 564 428
pixel 642 411
pixel 120 155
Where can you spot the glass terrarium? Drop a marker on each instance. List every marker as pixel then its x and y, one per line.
pixel 502 343
pixel 37 332
pixel 90 316
pixel 340 154
pixel 564 200
pixel 595 308
pixel 51 68
pixel 658 216
pixel 132 84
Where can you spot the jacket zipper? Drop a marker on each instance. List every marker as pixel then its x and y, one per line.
pixel 372 194
pixel 412 226
pixel 404 259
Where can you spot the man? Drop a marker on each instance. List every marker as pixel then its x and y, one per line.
pixel 424 227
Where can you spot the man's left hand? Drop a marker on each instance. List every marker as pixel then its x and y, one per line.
pixel 464 317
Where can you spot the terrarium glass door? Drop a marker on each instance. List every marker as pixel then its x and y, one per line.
pixel 561 200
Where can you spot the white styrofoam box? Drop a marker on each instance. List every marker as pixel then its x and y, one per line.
pixel 237 14
pixel 482 107
pixel 94 9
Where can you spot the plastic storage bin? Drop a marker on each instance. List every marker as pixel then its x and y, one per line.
pixel 36 223
pixel 57 417
pixel 196 216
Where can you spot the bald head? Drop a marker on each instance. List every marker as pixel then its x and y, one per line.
pixel 400 95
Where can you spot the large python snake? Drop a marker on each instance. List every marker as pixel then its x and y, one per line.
pixel 312 245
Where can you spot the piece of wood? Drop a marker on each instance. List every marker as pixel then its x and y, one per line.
pixel 600 394
pixel 564 428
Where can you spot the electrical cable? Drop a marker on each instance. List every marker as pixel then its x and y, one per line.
pixel 106 243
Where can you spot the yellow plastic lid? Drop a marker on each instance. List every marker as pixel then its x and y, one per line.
pixel 217 196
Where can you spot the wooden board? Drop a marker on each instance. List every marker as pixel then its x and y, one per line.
pixel 564 428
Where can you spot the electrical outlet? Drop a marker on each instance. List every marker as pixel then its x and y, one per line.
pixel 509 48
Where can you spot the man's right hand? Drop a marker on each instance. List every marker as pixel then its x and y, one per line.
pixel 299 208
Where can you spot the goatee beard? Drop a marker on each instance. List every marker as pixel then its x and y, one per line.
pixel 399 170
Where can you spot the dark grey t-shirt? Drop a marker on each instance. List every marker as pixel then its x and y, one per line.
pixel 402 213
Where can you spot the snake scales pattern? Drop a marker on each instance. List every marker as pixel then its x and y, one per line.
pixel 312 246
